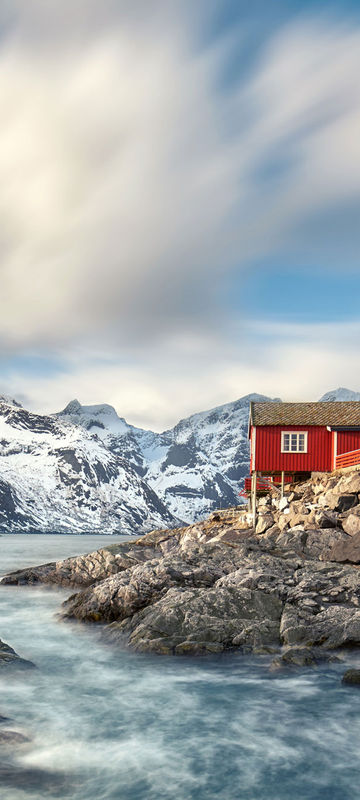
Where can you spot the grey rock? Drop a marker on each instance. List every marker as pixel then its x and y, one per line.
pixel 217 585
pixel 301 656
pixel 295 656
pixel 347 550
pixel 198 621
pixel 122 595
pixel 10 659
pixel 300 520
pixel 351 677
pixel 325 519
pixel 334 627
pixel 319 543
pixel 345 502
pixel 264 522
pixel 351 521
pixel 94 567
pixel 349 482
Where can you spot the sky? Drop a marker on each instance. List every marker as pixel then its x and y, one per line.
pixel 179 202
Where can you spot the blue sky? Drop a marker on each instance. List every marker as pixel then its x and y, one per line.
pixel 179 207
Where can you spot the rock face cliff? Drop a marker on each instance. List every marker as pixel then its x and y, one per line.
pixel 291 587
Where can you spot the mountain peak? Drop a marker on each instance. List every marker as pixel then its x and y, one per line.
pixel 74 407
pixel 101 417
pixel 9 401
pixel 340 395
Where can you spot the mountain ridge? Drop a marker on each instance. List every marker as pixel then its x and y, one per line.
pixel 193 467
pixel 86 469
pixel 58 477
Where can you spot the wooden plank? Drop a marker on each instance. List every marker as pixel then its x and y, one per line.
pixel 350 459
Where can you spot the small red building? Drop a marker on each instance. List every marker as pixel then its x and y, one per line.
pixel 288 441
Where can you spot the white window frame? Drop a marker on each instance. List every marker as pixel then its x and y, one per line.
pixel 297 434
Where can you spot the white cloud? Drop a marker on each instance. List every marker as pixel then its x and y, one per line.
pixel 130 183
pixel 294 362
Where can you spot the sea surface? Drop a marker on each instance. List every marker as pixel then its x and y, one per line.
pixel 107 724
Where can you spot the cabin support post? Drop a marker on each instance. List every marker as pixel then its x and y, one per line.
pixel 254 487
pixel 282 483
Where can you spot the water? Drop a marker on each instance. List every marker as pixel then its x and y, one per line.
pixel 106 724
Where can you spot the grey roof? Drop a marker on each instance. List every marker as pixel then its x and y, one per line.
pixel 332 414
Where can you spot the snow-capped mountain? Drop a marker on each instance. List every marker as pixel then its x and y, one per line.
pixel 194 467
pixel 59 477
pixel 338 395
pixel 87 469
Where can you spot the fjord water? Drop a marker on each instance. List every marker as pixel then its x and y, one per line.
pixel 107 724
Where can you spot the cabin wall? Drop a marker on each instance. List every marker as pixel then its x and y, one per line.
pixel 268 455
pixel 347 441
pixel 252 447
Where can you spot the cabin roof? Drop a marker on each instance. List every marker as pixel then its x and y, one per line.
pixel 329 414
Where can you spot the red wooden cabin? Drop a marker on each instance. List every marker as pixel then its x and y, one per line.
pixel 290 440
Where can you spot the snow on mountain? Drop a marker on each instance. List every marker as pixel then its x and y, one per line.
pixel 199 464
pixel 59 477
pixel 339 395
pixel 194 467
pixel 87 469
pixel 9 401
pixel 100 418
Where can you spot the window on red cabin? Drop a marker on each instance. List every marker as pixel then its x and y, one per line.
pixel 294 442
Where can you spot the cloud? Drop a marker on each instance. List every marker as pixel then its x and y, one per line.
pixel 295 362
pixel 134 179
pixel 131 180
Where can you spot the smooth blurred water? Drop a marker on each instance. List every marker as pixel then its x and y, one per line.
pixel 113 725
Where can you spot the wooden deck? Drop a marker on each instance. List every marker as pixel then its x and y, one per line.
pixel 350 459
pixel 265 483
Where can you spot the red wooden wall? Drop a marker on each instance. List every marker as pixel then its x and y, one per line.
pixel 268 455
pixel 347 441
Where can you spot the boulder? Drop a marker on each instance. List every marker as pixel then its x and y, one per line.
pixel 347 550
pixel 345 502
pixel 291 542
pixel 328 500
pixel 335 626
pixel 351 521
pixel 264 522
pixel 305 521
pixel 295 657
pixel 350 483
pixel 121 596
pixel 325 519
pixel 283 503
pixel 272 533
pixel 283 522
pixel 351 677
pixel 264 502
pixel 320 543
pixel 197 621
pixel 8 658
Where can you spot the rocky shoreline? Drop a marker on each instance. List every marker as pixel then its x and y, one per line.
pixel 291 587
